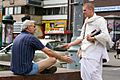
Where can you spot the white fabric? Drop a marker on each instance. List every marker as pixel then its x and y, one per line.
pixel 98 49
pixel 93 53
pixel 91 72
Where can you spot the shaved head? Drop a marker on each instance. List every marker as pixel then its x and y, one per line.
pixel 89 6
pixel 88 10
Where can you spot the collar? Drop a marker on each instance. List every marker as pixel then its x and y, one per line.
pixel 93 18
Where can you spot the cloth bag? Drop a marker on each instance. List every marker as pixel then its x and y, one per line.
pixel 79 53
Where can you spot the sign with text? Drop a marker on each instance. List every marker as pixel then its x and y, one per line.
pixel 55 26
pixel 35 2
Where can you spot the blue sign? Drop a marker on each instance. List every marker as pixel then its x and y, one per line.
pixel 107 8
pixel 35 2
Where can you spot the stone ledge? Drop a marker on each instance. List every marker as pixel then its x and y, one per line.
pixel 61 74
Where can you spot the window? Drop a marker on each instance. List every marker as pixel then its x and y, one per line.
pixel 56 11
pixel 25 10
pixel 63 10
pixel 39 11
pixel 17 10
pixel 9 10
pixel 32 10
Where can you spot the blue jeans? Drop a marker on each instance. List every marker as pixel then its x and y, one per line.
pixel 35 69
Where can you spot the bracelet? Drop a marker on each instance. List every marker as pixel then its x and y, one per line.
pixel 94 38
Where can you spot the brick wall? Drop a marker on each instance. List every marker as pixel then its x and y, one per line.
pixel 107 2
pixel 15 2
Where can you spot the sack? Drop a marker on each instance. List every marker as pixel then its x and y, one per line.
pixel 79 53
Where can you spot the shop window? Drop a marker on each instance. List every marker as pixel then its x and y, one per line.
pixel 32 10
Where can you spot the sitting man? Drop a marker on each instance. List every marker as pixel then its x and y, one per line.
pixel 23 50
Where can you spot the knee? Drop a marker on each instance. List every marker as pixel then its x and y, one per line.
pixel 53 60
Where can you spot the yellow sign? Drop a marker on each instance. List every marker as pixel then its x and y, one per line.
pixel 55 26
pixel 61 23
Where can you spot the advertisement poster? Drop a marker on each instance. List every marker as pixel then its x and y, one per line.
pixel 117 25
pixel 55 26
pixel 114 29
pixel 110 24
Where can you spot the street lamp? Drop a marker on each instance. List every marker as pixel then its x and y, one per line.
pixel 8 29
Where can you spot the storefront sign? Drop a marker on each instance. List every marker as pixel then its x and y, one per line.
pixel 107 8
pixel 35 2
pixel 55 26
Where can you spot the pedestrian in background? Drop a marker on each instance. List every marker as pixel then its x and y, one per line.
pixel 93 48
pixel 23 51
pixel 117 49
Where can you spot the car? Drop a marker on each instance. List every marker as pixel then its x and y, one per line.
pixel 55 45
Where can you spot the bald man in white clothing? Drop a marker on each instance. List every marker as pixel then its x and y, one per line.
pixel 93 47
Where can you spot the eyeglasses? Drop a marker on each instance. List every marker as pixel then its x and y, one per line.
pixel 33 26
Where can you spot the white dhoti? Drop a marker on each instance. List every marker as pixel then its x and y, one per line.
pixel 91 69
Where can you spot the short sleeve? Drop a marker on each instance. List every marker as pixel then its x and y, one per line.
pixel 36 43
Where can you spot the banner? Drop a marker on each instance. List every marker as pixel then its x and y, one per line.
pixel 55 26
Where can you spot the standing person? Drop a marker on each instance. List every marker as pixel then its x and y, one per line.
pixel 117 49
pixel 93 48
pixel 23 51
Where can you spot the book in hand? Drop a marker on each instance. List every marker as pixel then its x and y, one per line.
pixel 95 32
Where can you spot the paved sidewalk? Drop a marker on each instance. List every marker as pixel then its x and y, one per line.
pixel 113 61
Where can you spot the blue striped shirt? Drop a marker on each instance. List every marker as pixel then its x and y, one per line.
pixel 23 51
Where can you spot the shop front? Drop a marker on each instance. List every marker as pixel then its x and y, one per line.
pixel 56 29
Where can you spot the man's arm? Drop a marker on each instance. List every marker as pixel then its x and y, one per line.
pixel 76 42
pixel 51 53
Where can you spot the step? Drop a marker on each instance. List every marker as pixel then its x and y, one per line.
pixel 61 74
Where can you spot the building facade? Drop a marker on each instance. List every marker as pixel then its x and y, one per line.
pixel 110 9
pixel 55 19
pixel 53 16
pixel 21 8
pixel 50 15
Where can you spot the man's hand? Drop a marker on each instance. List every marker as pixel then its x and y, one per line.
pixel 67 59
pixel 66 46
pixel 91 39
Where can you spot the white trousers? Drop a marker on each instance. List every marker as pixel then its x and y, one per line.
pixel 91 69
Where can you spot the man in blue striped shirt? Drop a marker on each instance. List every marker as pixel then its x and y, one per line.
pixel 23 50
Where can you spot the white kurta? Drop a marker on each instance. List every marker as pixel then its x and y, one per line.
pixel 93 53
